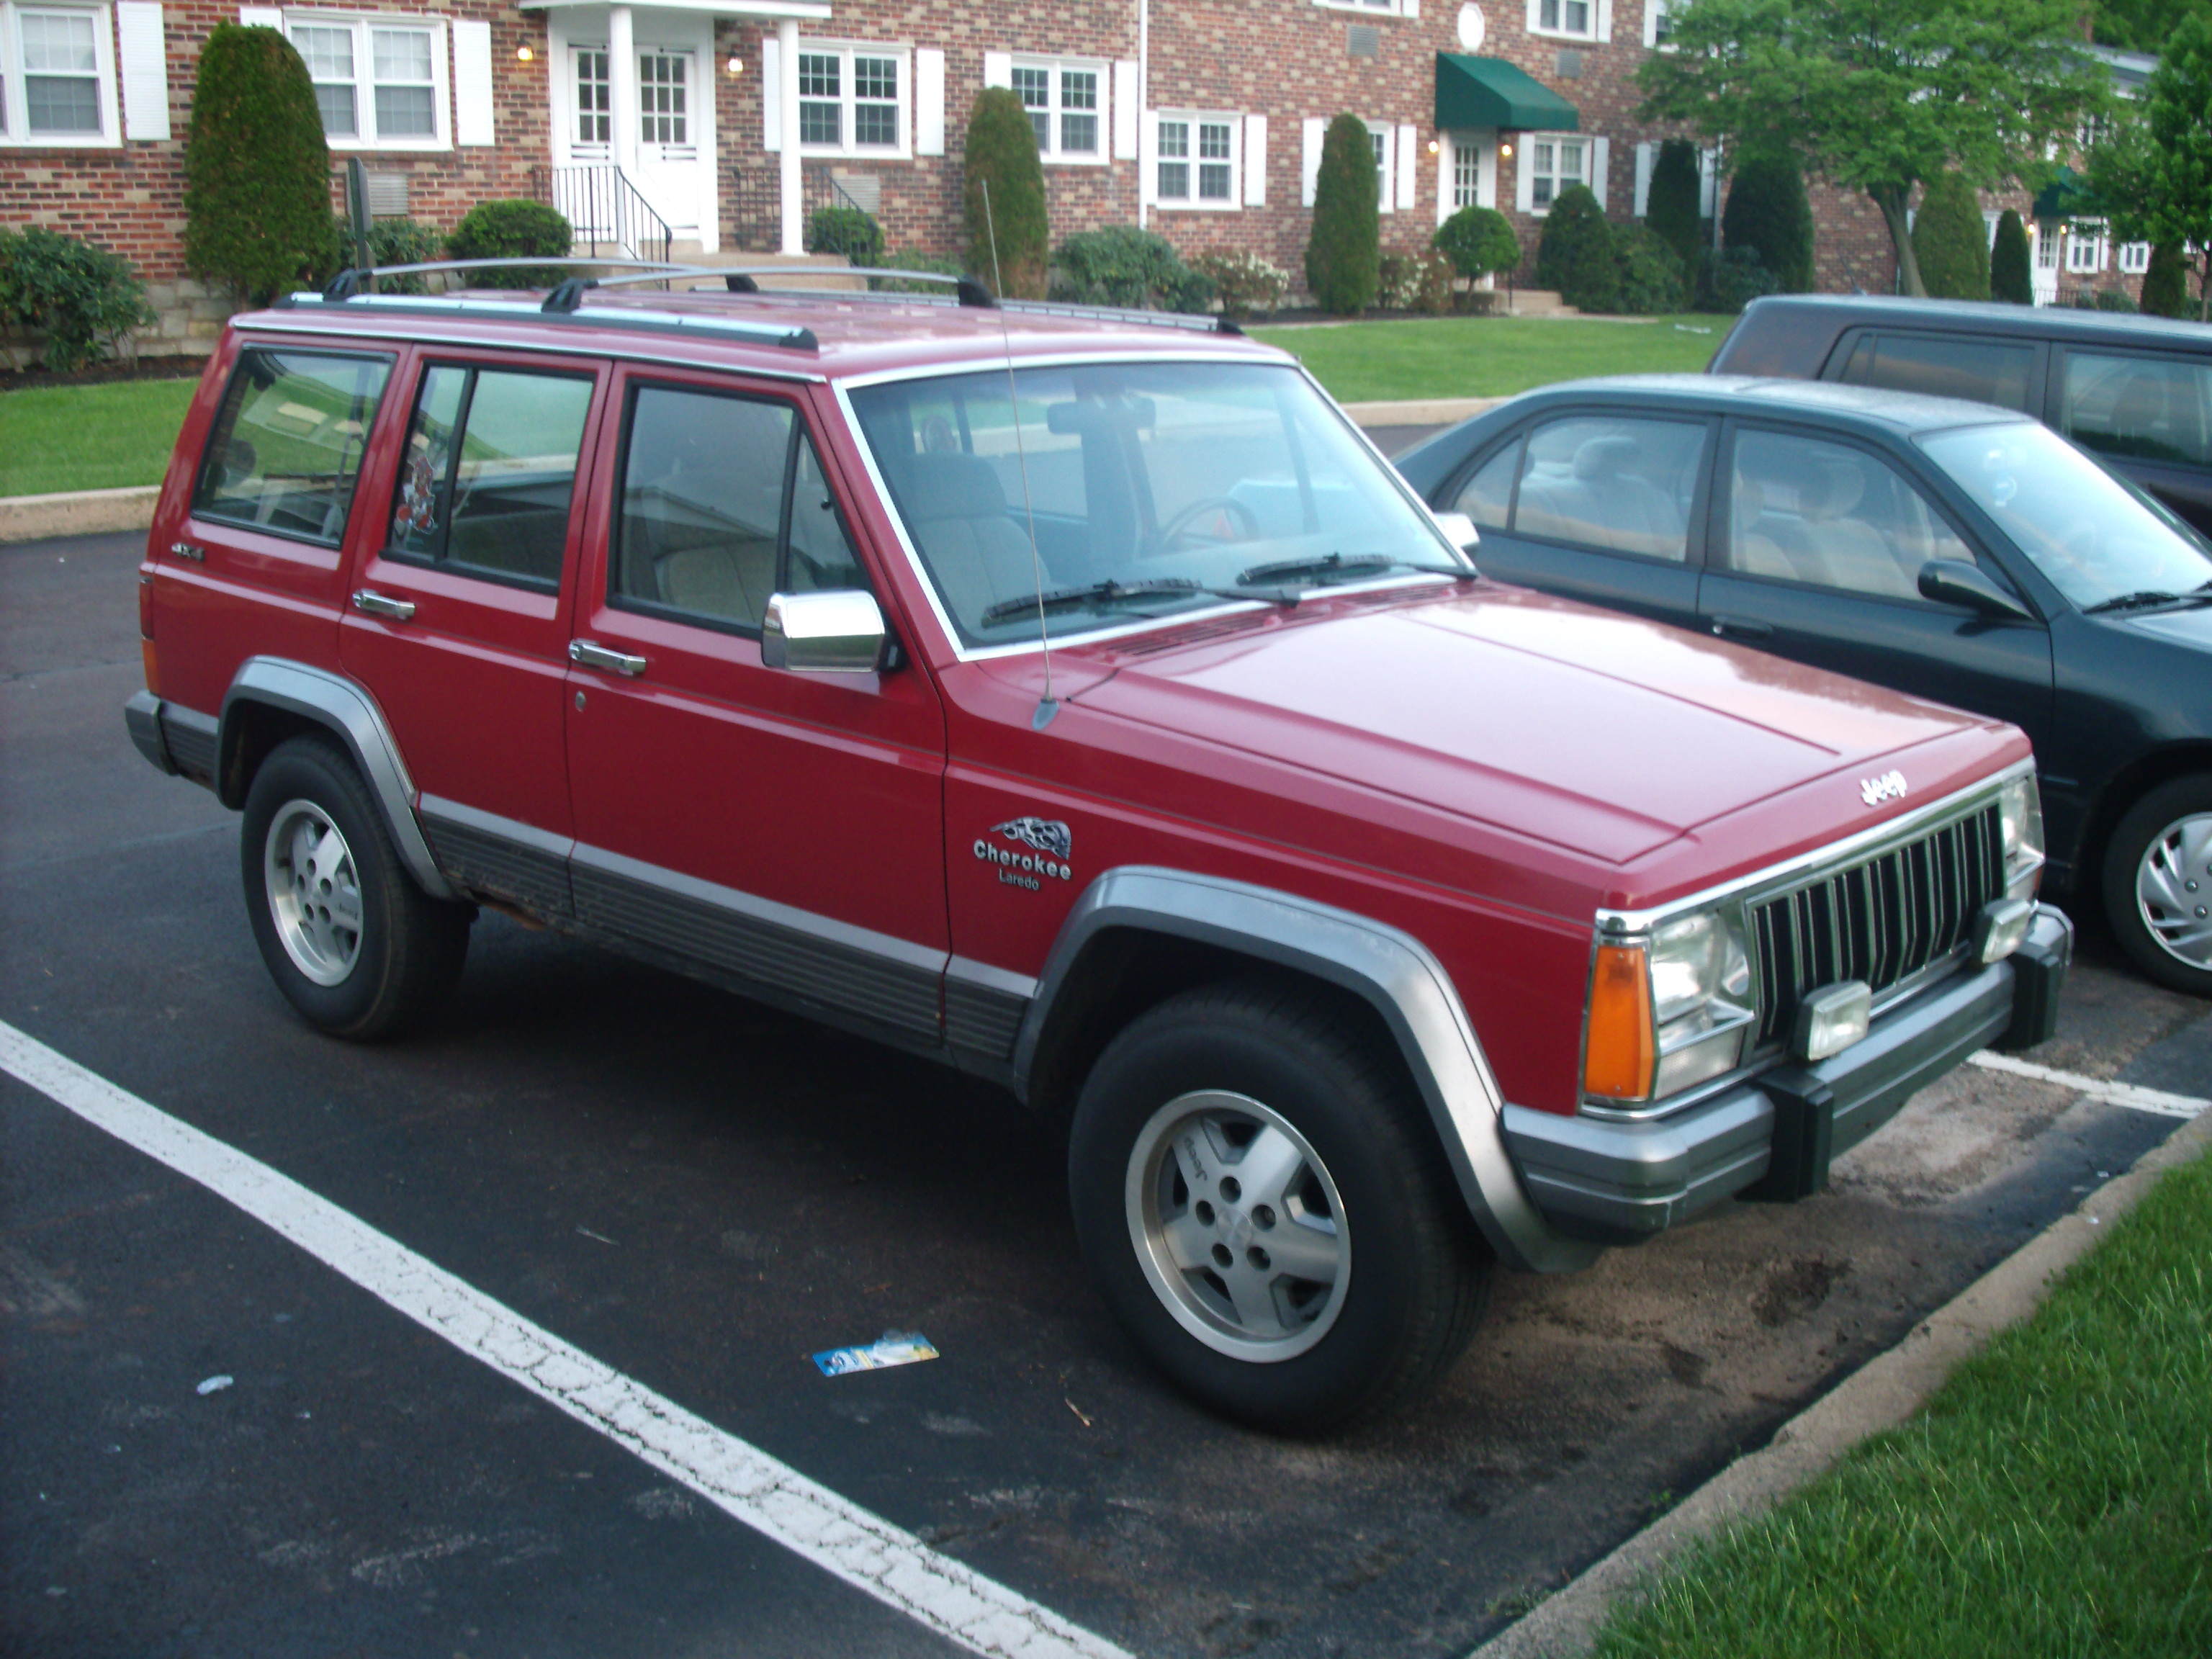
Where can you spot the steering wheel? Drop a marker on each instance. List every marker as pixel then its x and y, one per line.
pixel 1246 527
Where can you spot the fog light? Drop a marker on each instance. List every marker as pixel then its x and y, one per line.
pixel 1832 1018
pixel 2000 928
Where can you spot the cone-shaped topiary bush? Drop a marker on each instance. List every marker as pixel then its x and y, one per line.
pixel 1670 210
pixel 2010 279
pixel 2165 283
pixel 1002 148
pixel 1576 256
pixel 257 169
pixel 1950 241
pixel 1344 256
pixel 1769 213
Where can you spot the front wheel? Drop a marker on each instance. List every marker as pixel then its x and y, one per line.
pixel 1261 1200
pixel 2158 884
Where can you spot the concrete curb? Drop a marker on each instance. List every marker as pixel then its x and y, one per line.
pixel 1880 1396
pixel 77 513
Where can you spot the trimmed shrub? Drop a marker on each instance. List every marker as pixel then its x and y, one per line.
pixel 83 299
pixel 1652 282
pixel 257 169
pixel 2165 283
pixel 1769 214
pixel 2113 299
pixel 1479 241
pixel 1950 240
pixel 846 230
pixel 1729 281
pixel 1343 255
pixel 1671 208
pixel 1415 281
pixel 511 230
pixel 911 260
pixel 1002 149
pixel 1248 285
pixel 2010 279
pixel 1575 255
pixel 1122 266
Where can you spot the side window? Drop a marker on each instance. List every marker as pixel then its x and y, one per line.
pixel 1827 514
pixel 1623 485
pixel 1488 495
pixel 2146 409
pixel 489 470
pixel 706 480
pixel 284 453
pixel 1985 371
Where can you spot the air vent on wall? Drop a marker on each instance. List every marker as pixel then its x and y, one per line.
pixel 866 190
pixel 1362 41
pixel 1571 66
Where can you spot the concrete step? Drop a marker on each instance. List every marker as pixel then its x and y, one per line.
pixel 1539 302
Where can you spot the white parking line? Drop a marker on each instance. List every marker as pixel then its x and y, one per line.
pixel 863 1549
pixel 2132 1096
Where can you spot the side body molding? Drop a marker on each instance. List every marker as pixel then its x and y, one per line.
pixel 1389 969
pixel 345 710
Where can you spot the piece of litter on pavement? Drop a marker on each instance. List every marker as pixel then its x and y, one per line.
pixel 214 1383
pixel 601 1237
pixel 1690 328
pixel 891 1348
pixel 1077 1410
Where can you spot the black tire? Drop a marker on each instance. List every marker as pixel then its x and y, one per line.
pixel 354 943
pixel 1415 1271
pixel 2158 884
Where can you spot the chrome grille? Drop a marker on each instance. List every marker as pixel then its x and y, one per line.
pixel 1882 919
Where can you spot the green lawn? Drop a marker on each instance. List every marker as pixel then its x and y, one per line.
pixel 1490 358
pixel 89 437
pixel 2055 1498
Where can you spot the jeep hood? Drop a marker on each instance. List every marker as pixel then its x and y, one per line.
pixel 1599 732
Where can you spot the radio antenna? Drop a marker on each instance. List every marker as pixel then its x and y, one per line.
pixel 1047 706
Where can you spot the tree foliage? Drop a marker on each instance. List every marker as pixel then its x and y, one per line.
pixel 2010 279
pixel 1576 257
pixel 2154 172
pixel 1878 94
pixel 1769 212
pixel 1949 240
pixel 257 168
pixel 2141 25
pixel 1009 238
pixel 1671 209
pixel 1344 254
pixel 2166 282
pixel 1654 282
pixel 1479 241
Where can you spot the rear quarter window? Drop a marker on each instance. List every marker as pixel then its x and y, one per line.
pixel 2000 372
pixel 285 453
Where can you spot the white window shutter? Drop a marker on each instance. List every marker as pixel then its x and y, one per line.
pixel 142 63
pixel 1601 154
pixel 262 17
pixel 1256 160
pixel 1386 176
pixel 1312 131
pixel 1644 179
pixel 1413 8
pixel 1535 16
pixel 997 68
pixel 1709 183
pixel 1650 24
pixel 929 100
pixel 1409 152
pixel 1524 181
pixel 1604 21
pixel 472 99
pixel 1148 157
pixel 771 94
pixel 1127 108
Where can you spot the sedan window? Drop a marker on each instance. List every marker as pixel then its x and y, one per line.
pixel 1623 485
pixel 1803 510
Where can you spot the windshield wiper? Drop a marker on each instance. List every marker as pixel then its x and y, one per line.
pixel 2150 597
pixel 1111 592
pixel 1336 566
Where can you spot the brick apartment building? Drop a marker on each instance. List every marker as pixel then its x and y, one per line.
pixel 734 120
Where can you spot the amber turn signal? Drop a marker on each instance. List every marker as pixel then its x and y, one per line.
pixel 1621 1050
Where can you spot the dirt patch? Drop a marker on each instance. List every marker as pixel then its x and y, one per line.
pixel 149 368
pixel 1795 1288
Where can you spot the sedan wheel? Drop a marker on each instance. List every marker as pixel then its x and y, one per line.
pixel 2157 884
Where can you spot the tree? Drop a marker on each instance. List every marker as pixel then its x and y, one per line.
pixel 1002 151
pixel 1769 212
pixel 2010 279
pixel 1343 255
pixel 2141 25
pixel 2165 281
pixel 257 168
pixel 1878 94
pixel 1479 241
pixel 2154 172
pixel 1671 209
pixel 1949 240
pixel 1576 257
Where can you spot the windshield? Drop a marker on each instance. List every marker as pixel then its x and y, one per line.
pixel 1155 488
pixel 2095 539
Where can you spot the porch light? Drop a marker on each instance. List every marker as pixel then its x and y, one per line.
pixel 1433 146
pixel 1505 151
pixel 736 65
pixel 523 54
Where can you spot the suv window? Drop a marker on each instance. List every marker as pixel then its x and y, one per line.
pixel 1623 485
pixel 1801 510
pixel 1985 371
pixel 285 451
pixel 491 467
pixel 2148 409
pixel 724 502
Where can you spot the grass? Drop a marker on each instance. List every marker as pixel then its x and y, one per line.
pixel 1490 357
pixel 89 437
pixel 2055 1498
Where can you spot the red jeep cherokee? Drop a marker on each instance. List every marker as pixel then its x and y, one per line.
pixel 1080 699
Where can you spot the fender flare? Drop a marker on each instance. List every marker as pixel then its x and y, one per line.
pixel 348 711
pixel 1387 967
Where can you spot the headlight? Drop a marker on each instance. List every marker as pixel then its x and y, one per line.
pixel 2019 814
pixel 1668 1012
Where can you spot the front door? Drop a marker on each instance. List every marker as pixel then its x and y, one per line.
pixel 667 134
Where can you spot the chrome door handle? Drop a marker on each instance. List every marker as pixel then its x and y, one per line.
pixel 186 550
pixel 377 605
pixel 583 652
pixel 1743 627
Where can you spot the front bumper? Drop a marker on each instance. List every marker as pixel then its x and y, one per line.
pixel 1619 1181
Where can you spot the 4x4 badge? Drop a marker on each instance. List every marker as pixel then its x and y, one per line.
pixel 1890 785
pixel 1050 842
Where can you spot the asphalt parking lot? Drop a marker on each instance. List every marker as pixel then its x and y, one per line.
pixel 698 1194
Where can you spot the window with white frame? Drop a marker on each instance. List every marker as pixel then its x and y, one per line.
pixel 2085 248
pixel 379 80
pixel 1197 160
pixel 2049 233
pixel 853 99
pixel 56 76
pixel 1554 161
pixel 1659 22
pixel 2134 258
pixel 1066 102
pixel 1467 173
pixel 1388 7
pixel 1571 20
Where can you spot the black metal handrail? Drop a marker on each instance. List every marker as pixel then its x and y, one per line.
pixel 603 206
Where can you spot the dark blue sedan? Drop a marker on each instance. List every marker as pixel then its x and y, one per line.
pixel 1954 550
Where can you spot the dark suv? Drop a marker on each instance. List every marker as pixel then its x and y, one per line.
pixel 2136 390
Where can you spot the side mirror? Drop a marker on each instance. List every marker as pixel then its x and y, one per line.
pixel 1954 582
pixel 835 632
pixel 1461 528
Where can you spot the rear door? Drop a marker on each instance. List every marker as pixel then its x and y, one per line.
pixel 2148 414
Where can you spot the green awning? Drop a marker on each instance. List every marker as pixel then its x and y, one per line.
pixel 1489 92
pixel 2068 195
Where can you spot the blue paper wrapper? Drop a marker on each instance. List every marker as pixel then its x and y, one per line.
pixel 891 1348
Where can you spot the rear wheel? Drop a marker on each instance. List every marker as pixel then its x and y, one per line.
pixel 2158 884
pixel 1261 1200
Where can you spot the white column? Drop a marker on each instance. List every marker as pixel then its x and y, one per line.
pixel 621 83
pixel 793 211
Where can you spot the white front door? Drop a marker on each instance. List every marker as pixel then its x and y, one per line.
pixel 587 198
pixel 2050 236
pixel 668 148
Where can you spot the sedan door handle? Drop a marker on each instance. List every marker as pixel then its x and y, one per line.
pixel 1742 627
pixel 374 603
pixel 583 652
